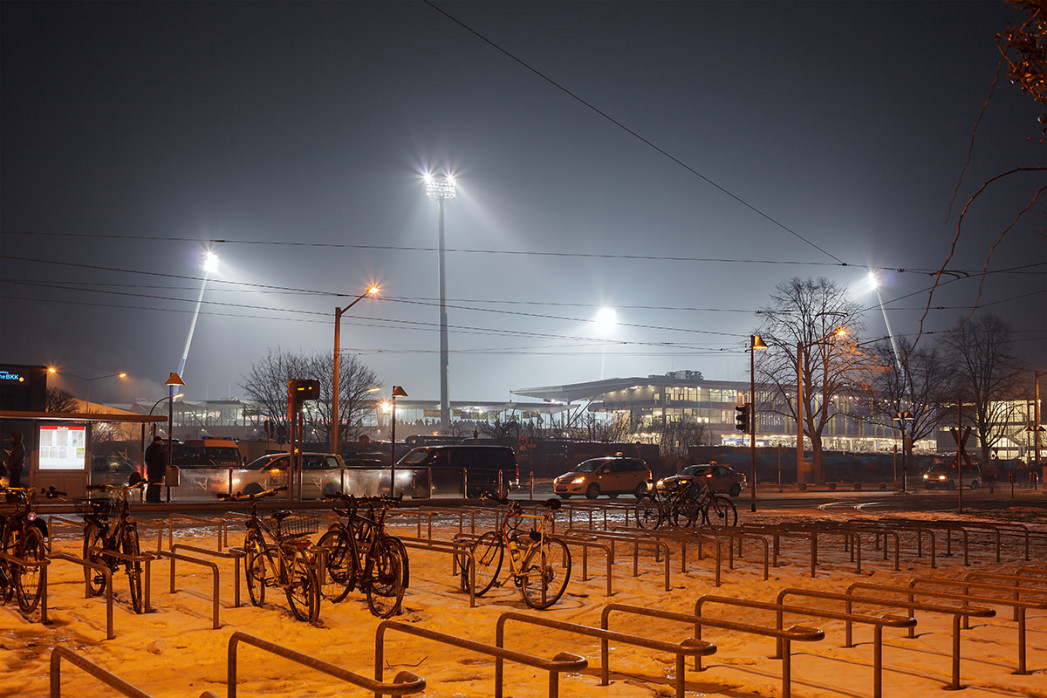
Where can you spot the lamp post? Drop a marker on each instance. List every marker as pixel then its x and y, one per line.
pixel 336 422
pixel 754 343
pixel 173 380
pixel 155 404
pixel 440 189
pixel 397 392
pixel 801 347
pixel 87 382
pixel 1036 428
pixel 903 417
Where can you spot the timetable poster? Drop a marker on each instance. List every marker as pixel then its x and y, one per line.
pixel 63 447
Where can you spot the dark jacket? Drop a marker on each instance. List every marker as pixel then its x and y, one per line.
pixel 155 461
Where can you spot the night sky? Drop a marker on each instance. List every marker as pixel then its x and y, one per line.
pixel 674 161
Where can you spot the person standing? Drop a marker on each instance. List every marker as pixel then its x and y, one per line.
pixel 155 465
pixel 16 460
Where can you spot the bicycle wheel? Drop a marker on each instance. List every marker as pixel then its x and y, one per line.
pixel 546 572
pixel 254 568
pixel 129 546
pixel 7 571
pixel 403 558
pixel 385 588
pixel 30 547
pixel 648 512
pixel 686 511
pixel 488 552
pixel 720 512
pixel 303 590
pixel 93 542
pixel 340 563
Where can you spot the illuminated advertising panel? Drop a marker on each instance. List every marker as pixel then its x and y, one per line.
pixel 63 447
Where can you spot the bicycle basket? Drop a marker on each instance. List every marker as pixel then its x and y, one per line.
pixel 299 525
pixel 96 507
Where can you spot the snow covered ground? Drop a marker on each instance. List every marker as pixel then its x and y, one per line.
pixel 174 651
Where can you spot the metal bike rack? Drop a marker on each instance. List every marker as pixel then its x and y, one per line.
pixel 630 536
pixel 780 609
pixel 106 572
pixel 563 661
pixel 404 683
pixel 956 613
pixel 1020 607
pixel 457 549
pixel 681 650
pixel 585 543
pixel 223 528
pixel 215 624
pixel 109 679
pixel 796 633
pixel 233 554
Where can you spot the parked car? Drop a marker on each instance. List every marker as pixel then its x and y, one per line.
pixel 208 453
pixel 114 470
pixel 945 475
pixel 611 475
pixel 321 474
pixel 718 478
pixel 448 466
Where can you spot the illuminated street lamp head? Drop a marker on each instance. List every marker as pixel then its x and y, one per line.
pixel 757 342
pixel 439 187
pixel 210 263
pixel 174 380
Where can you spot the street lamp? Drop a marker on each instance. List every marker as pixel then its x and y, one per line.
pixel 902 418
pixel 754 343
pixel 88 382
pixel 801 347
pixel 1036 428
pixel 175 397
pixel 336 422
pixel 397 392
pixel 173 380
pixel 441 188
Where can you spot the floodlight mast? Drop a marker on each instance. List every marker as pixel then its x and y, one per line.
pixel 441 188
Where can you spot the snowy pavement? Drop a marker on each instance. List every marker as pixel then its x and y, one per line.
pixel 173 651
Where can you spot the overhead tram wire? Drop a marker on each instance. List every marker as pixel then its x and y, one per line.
pixel 633 133
pixel 459 250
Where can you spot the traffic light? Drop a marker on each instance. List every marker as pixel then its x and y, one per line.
pixel 300 390
pixel 741 419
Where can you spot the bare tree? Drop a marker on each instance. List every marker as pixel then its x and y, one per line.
pixel 59 400
pixel 604 431
pixel 266 383
pixel 803 324
pixel 676 436
pixel 986 373
pixel 913 381
pixel 500 430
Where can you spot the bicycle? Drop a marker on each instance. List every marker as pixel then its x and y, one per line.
pixel 708 509
pixel 22 535
pixel 685 505
pixel 539 564
pixel 103 536
pixel 361 555
pixel 666 504
pixel 278 554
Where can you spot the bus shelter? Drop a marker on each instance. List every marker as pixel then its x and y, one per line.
pixel 58 445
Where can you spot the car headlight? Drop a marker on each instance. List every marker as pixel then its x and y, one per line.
pixel 578 480
pixel 941 477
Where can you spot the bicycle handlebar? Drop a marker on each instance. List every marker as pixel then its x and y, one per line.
pixel 240 496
